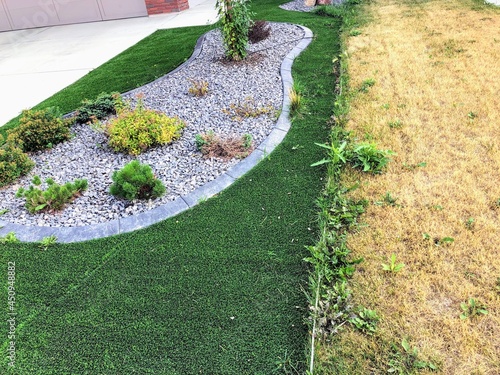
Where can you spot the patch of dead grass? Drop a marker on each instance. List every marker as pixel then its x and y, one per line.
pixel 436 68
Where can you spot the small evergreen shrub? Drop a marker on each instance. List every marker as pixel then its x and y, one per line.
pixel 136 181
pixel 52 199
pixel 40 129
pixel 135 130
pixel 234 23
pixel 14 163
pixel 101 107
pixel 211 145
pixel 259 31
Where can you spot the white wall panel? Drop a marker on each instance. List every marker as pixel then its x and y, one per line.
pixel 75 11
pixel 112 9
pixel 4 20
pixel 26 14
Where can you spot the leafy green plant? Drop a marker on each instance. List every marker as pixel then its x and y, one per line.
pixel 333 309
pixel 451 48
pixel 343 211
pixel 40 129
pixel 198 87
pixel 135 130
pixel 388 200
pixel 234 23
pixel 136 181
pixel 285 365
pixel 245 109
pixel 393 266
pixel 47 242
pixel 211 145
pixel 444 241
pixel 472 309
pixel 366 84
pixel 337 153
pixel 438 241
pixel 396 124
pixel 407 361
pixel 471 115
pixel 470 223
pixel 497 286
pixel 52 199
pixel 3 211
pixel 14 163
pixel 412 167
pixel 365 320
pixel 104 105
pixel 367 157
pixel 9 238
pixel 259 31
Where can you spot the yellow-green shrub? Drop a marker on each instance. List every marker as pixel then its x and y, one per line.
pixel 40 129
pixel 13 163
pixel 135 130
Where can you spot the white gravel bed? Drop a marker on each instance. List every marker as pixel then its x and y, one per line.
pixel 297 5
pixel 179 165
pixel 300 5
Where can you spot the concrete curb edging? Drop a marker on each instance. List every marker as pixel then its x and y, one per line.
pixel 144 219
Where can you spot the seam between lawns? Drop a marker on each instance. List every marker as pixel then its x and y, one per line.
pixel 27 233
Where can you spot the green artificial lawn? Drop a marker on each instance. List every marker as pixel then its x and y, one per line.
pixel 215 290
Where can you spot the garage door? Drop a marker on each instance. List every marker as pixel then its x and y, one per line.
pixel 25 14
pixel 4 21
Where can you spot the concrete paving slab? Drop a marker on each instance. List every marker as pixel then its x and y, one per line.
pixel 37 63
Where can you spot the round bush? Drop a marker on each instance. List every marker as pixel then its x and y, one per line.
pixel 14 163
pixel 40 129
pixel 136 181
pixel 135 130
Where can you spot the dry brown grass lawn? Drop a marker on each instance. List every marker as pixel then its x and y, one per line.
pixel 436 100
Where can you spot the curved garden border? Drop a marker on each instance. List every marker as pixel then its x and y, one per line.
pixel 27 233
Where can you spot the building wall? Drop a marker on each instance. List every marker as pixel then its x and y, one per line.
pixel 26 14
pixel 166 6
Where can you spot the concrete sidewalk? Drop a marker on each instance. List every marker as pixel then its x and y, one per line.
pixel 37 63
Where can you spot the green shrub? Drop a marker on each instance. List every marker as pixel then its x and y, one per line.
pixel 101 107
pixel 13 163
pixel 136 181
pixel 234 23
pixel 40 129
pixel 52 199
pixel 135 130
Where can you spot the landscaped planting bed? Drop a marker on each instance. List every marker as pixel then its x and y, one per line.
pixel 242 97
